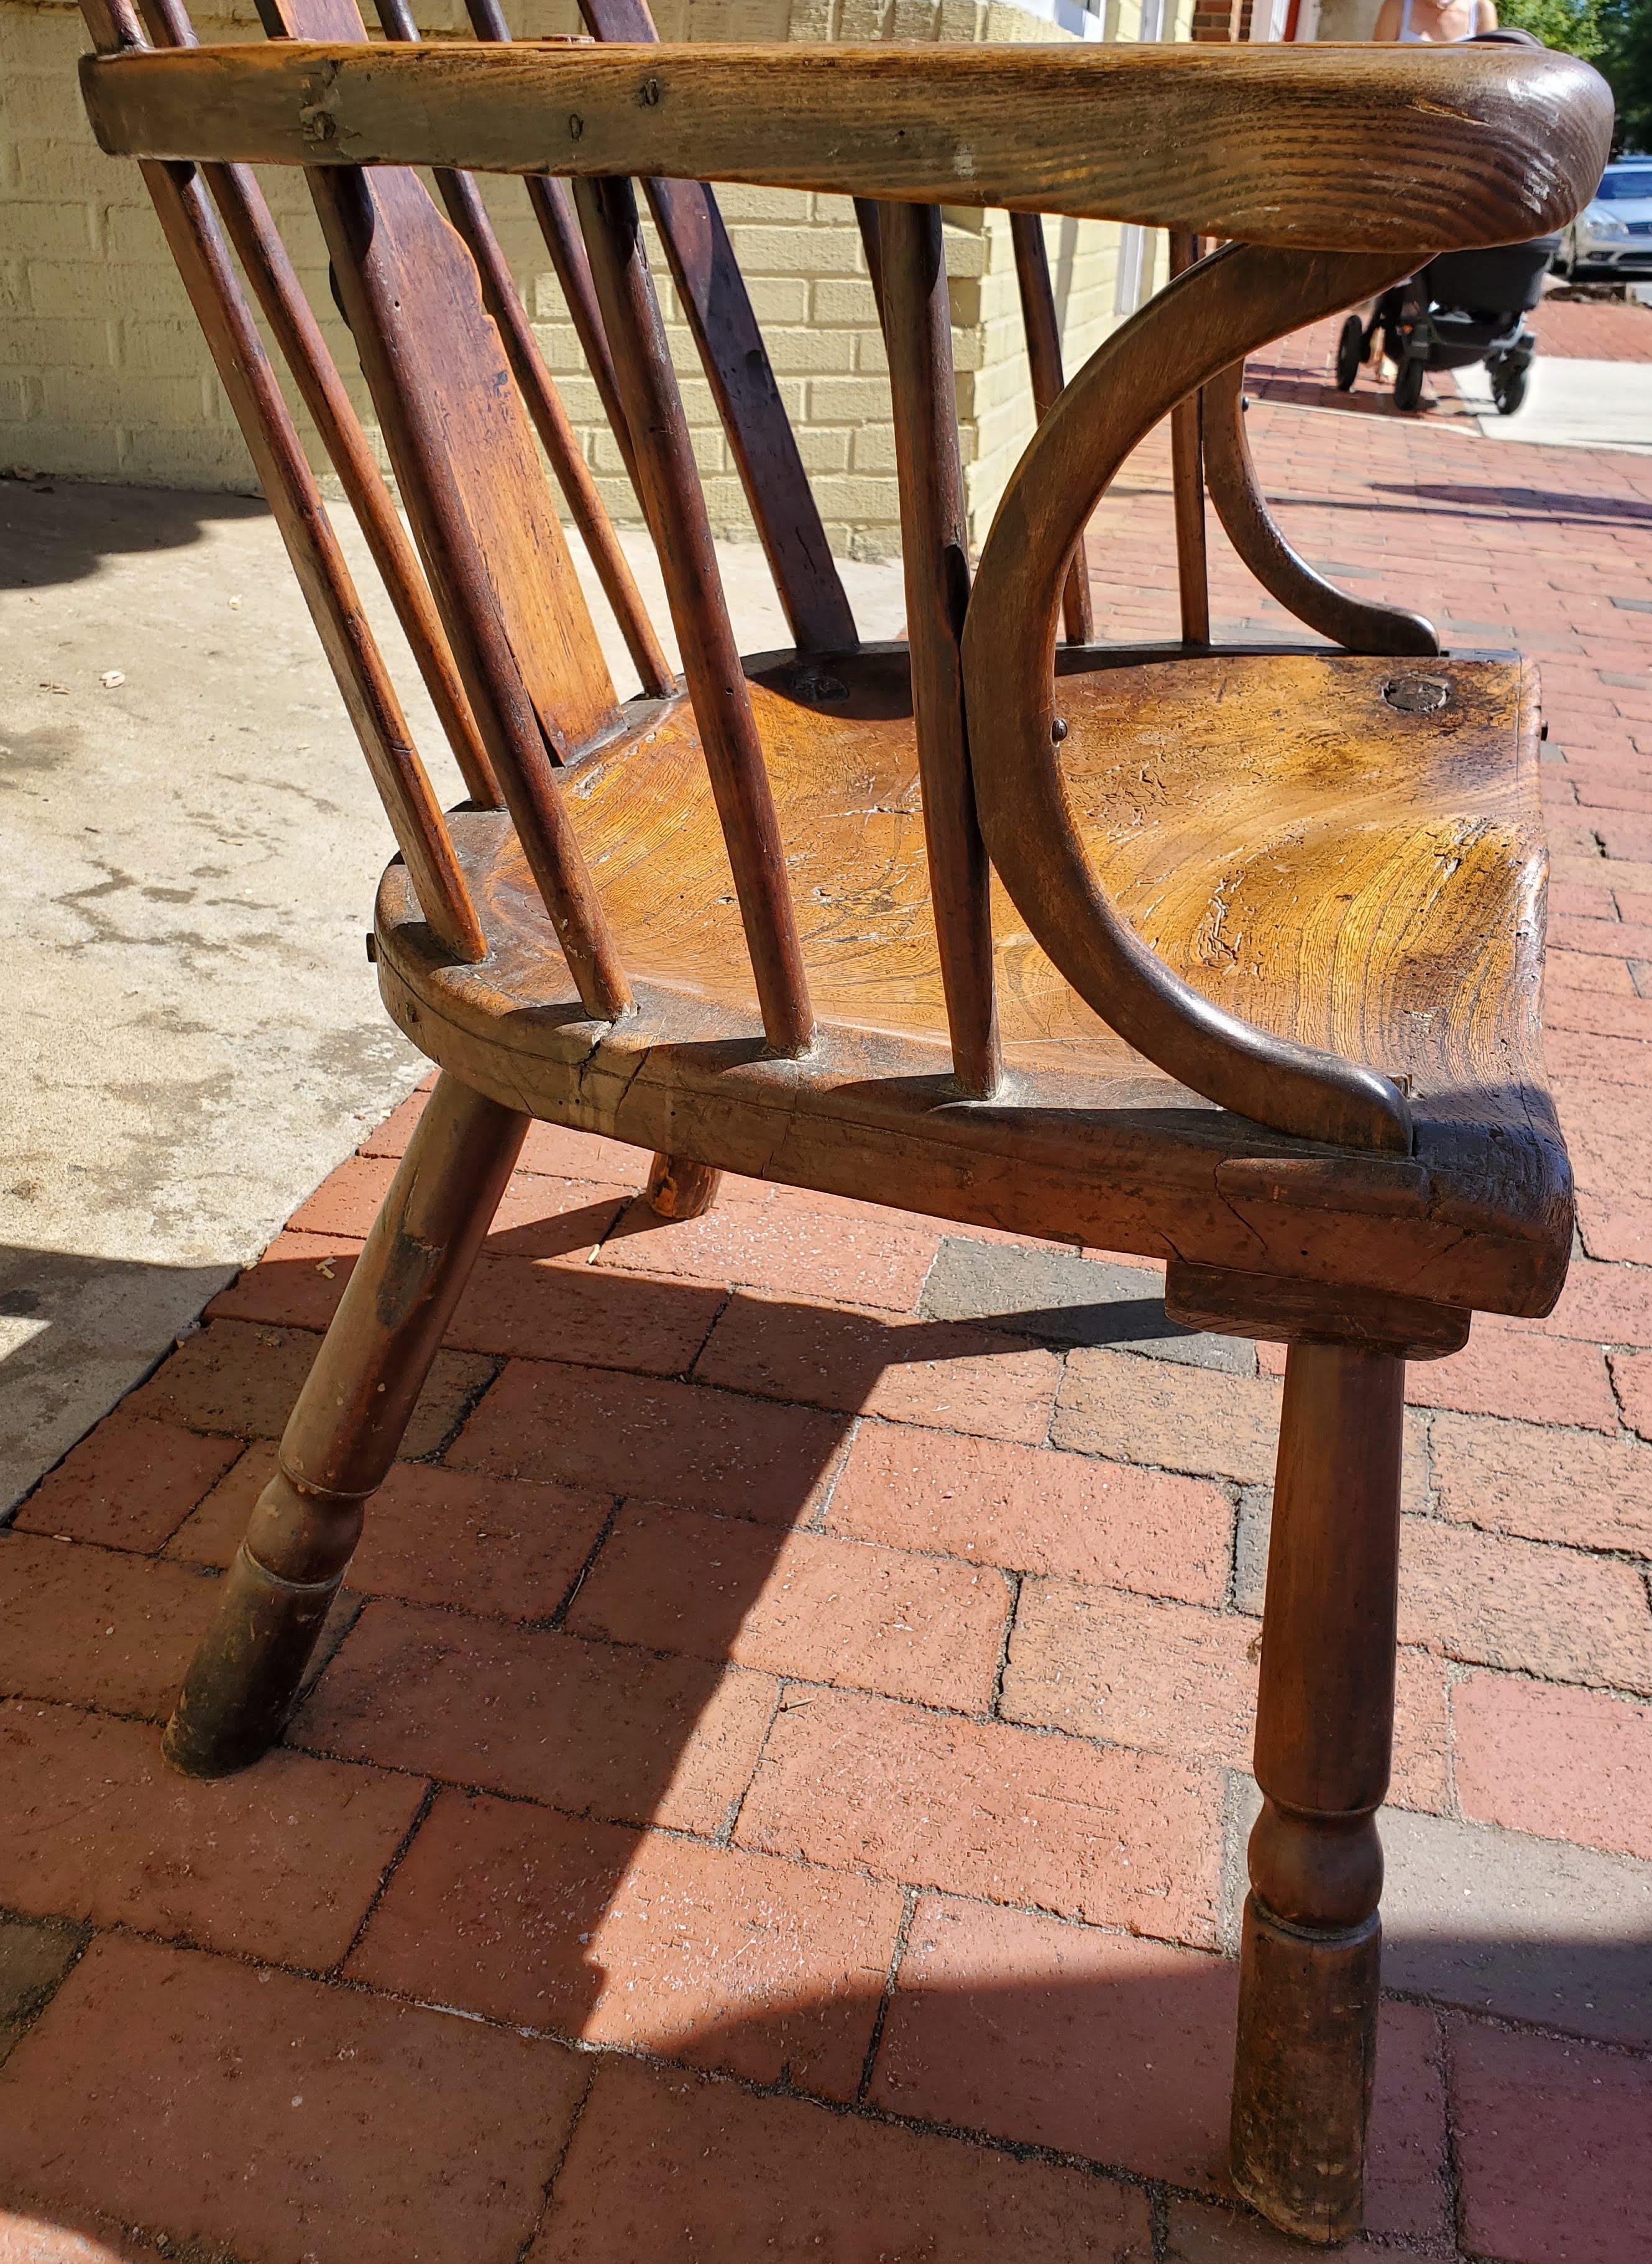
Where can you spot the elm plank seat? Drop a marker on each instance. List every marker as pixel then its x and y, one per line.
pixel 1232 958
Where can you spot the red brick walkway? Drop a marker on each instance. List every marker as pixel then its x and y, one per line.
pixel 1594 329
pixel 778 1783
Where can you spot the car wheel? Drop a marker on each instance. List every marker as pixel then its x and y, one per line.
pixel 1408 386
pixel 1350 353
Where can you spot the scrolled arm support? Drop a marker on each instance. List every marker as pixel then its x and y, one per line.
pixel 1241 298
pixel 1230 475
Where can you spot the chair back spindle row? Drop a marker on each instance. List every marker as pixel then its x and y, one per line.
pixel 179 194
pixel 432 322
pixel 252 232
pixel 264 258
pixel 470 480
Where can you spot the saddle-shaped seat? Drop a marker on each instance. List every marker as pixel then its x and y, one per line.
pixel 1345 851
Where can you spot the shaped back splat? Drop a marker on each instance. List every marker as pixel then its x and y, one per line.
pixel 457 432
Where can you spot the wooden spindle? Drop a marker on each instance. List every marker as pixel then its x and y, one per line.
pixel 1044 359
pixel 503 301
pixel 1187 482
pixel 736 362
pixel 197 244
pixel 113 25
pixel 675 507
pixel 410 803
pixel 246 217
pixel 917 324
pixel 552 202
pixel 866 219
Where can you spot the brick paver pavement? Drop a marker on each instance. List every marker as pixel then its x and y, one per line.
pixel 1593 329
pixel 778 1783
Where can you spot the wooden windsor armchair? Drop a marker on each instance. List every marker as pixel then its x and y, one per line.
pixel 1258 993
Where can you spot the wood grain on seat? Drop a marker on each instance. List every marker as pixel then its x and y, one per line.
pixel 1335 867
pixel 1347 853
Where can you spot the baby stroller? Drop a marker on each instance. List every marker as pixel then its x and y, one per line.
pixel 1464 307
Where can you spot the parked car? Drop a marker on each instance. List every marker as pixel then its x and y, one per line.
pixel 1611 237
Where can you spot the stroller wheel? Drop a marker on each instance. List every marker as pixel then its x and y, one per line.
pixel 1508 389
pixel 1408 386
pixel 1350 353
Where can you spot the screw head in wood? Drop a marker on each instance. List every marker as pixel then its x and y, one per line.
pixel 1416 695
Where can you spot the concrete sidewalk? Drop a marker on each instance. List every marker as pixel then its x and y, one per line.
pixel 1591 385
pixel 780 1788
pixel 194 1036
pixel 1570 403
pixel 1592 378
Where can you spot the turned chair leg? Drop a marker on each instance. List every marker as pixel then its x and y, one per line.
pixel 1310 1955
pixel 678 1188
pixel 343 1433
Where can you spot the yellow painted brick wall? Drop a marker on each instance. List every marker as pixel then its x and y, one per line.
pixel 103 374
pixel 995 410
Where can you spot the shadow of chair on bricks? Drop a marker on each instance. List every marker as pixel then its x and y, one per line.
pixel 781 2046
pixel 1502 502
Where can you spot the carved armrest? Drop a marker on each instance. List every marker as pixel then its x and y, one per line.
pixel 1340 148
